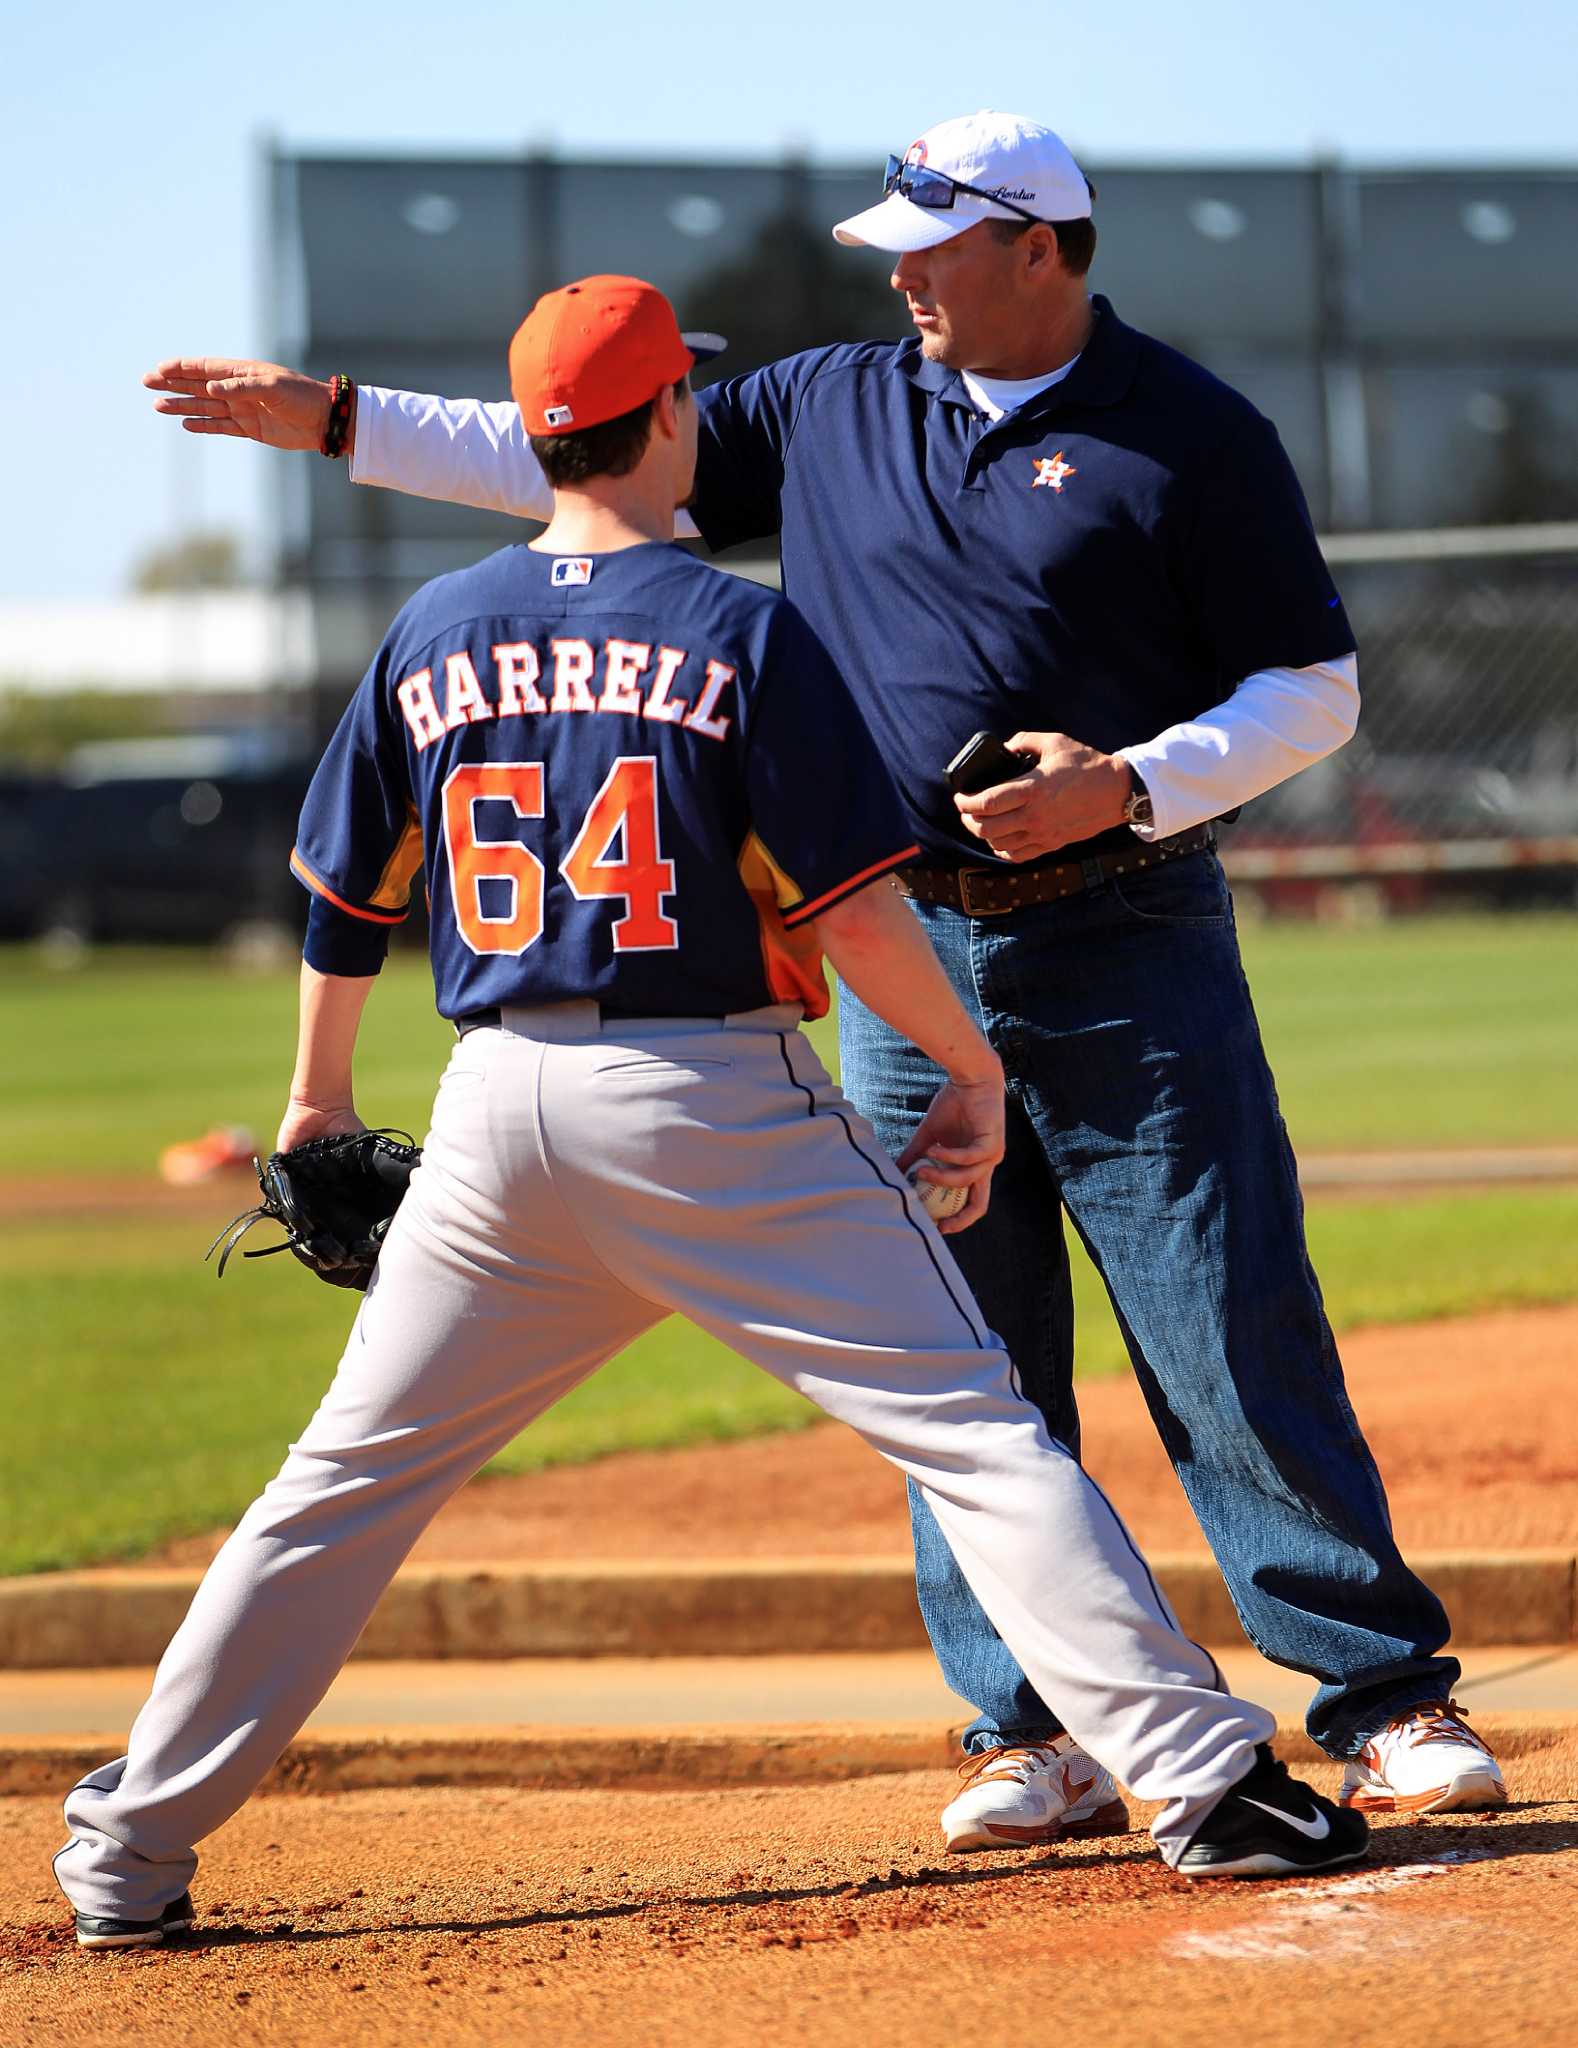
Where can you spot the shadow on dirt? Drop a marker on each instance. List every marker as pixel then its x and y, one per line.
pixel 1026 1865
pixel 1491 1837
pixel 1456 1841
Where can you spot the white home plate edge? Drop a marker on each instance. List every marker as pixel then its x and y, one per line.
pixel 1322 1919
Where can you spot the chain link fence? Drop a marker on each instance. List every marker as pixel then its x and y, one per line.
pixel 1462 780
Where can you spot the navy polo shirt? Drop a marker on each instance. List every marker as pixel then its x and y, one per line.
pixel 1113 557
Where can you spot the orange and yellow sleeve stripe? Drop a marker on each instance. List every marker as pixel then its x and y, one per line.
pixel 319 887
pixel 800 912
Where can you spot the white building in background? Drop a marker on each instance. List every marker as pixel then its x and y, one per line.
pixel 227 642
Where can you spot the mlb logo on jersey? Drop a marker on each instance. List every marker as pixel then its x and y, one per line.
pixel 571 569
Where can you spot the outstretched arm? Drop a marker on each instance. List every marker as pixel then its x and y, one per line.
pixel 247 400
pixel 459 450
pixel 463 451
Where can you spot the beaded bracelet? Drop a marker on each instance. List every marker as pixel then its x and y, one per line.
pixel 337 428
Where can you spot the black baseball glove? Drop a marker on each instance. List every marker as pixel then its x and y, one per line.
pixel 335 1197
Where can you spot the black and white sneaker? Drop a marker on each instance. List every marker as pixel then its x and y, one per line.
pixel 1271 1825
pixel 94 1931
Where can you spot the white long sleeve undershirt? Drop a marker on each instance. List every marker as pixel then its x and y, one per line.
pixel 1276 722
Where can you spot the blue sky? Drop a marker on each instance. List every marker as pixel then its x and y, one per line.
pixel 129 150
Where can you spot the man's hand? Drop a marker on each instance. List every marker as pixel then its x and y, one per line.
pixel 304 1120
pixel 958 1142
pixel 249 401
pixel 1071 793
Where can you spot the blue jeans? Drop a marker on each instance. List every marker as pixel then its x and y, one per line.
pixel 1140 1102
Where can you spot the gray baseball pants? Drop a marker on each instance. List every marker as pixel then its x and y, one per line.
pixel 582 1180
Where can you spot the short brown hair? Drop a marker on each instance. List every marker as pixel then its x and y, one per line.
pixel 1076 239
pixel 611 448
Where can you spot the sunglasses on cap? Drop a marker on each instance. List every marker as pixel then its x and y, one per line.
pixel 923 186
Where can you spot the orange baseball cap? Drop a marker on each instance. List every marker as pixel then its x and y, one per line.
pixel 593 350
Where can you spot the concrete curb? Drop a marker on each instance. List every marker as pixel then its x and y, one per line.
pixel 628 1760
pixel 541 1759
pixel 751 1607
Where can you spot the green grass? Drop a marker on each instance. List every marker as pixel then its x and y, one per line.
pixel 144 1401
pixel 1441 1031
pixel 1431 1032
pixel 137 1048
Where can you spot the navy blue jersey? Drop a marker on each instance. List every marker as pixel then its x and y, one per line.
pixel 627 777
pixel 1111 558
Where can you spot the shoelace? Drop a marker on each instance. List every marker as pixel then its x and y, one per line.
pixel 1272 1776
pixel 1280 1774
pixel 1435 1721
pixel 1014 1762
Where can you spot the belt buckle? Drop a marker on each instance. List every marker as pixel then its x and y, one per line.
pixel 971 908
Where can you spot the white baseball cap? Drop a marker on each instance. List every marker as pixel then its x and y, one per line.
pixel 1003 157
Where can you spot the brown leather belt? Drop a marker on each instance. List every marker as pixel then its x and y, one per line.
pixel 994 891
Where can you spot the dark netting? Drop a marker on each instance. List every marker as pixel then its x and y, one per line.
pixel 1413 334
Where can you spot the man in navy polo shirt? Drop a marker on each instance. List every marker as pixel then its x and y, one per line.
pixel 1037 522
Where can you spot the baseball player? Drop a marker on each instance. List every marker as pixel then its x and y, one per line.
pixel 645 808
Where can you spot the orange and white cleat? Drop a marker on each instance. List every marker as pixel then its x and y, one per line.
pixel 199 1159
pixel 1426 1761
pixel 1022 1794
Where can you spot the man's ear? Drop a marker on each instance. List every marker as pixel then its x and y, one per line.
pixel 665 414
pixel 1040 245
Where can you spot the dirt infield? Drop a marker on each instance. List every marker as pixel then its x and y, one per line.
pixel 1467 1467
pixel 826 1915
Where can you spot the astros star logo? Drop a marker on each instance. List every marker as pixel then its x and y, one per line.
pixel 1051 470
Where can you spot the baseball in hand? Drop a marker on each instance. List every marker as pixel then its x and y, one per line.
pixel 939 1202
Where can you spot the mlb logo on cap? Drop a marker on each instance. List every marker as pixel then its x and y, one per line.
pixel 558 415
pixel 571 569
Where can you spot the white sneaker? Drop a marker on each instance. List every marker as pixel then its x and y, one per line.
pixel 1024 1794
pixel 1427 1761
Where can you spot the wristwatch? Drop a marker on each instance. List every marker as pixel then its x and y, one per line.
pixel 1138 810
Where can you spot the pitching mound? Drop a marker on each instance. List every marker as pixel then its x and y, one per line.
pixel 825 1915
